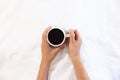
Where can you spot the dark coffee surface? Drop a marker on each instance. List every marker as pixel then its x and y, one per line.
pixel 55 36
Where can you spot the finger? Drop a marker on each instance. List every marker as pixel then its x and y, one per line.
pixel 71 33
pixel 77 35
pixel 67 32
pixel 45 32
pixel 67 41
pixel 59 48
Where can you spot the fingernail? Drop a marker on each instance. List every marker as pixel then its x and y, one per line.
pixel 72 32
pixel 48 27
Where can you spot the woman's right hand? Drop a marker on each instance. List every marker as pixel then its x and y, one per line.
pixel 74 44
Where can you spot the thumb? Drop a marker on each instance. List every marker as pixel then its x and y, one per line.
pixel 72 39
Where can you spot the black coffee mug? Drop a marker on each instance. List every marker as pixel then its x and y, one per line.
pixel 56 37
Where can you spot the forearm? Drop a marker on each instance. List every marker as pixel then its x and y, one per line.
pixel 79 69
pixel 44 70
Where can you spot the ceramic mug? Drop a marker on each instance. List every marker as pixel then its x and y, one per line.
pixel 56 37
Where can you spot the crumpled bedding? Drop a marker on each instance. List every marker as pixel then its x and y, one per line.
pixel 22 23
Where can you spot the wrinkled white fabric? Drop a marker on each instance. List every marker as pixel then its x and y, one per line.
pixel 23 21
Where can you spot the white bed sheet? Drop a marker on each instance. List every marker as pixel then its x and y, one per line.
pixel 23 21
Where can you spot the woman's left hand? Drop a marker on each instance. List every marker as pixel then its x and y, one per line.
pixel 48 52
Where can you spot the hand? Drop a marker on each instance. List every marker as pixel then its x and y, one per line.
pixel 48 52
pixel 74 44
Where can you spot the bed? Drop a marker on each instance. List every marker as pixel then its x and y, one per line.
pixel 22 23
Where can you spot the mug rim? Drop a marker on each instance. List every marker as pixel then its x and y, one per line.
pixel 63 31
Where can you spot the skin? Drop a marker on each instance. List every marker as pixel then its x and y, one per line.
pixel 74 53
pixel 49 53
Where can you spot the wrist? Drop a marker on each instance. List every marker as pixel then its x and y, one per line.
pixel 74 56
pixel 45 61
pixel 75 59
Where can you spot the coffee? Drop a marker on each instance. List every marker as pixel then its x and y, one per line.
pixel 56 36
